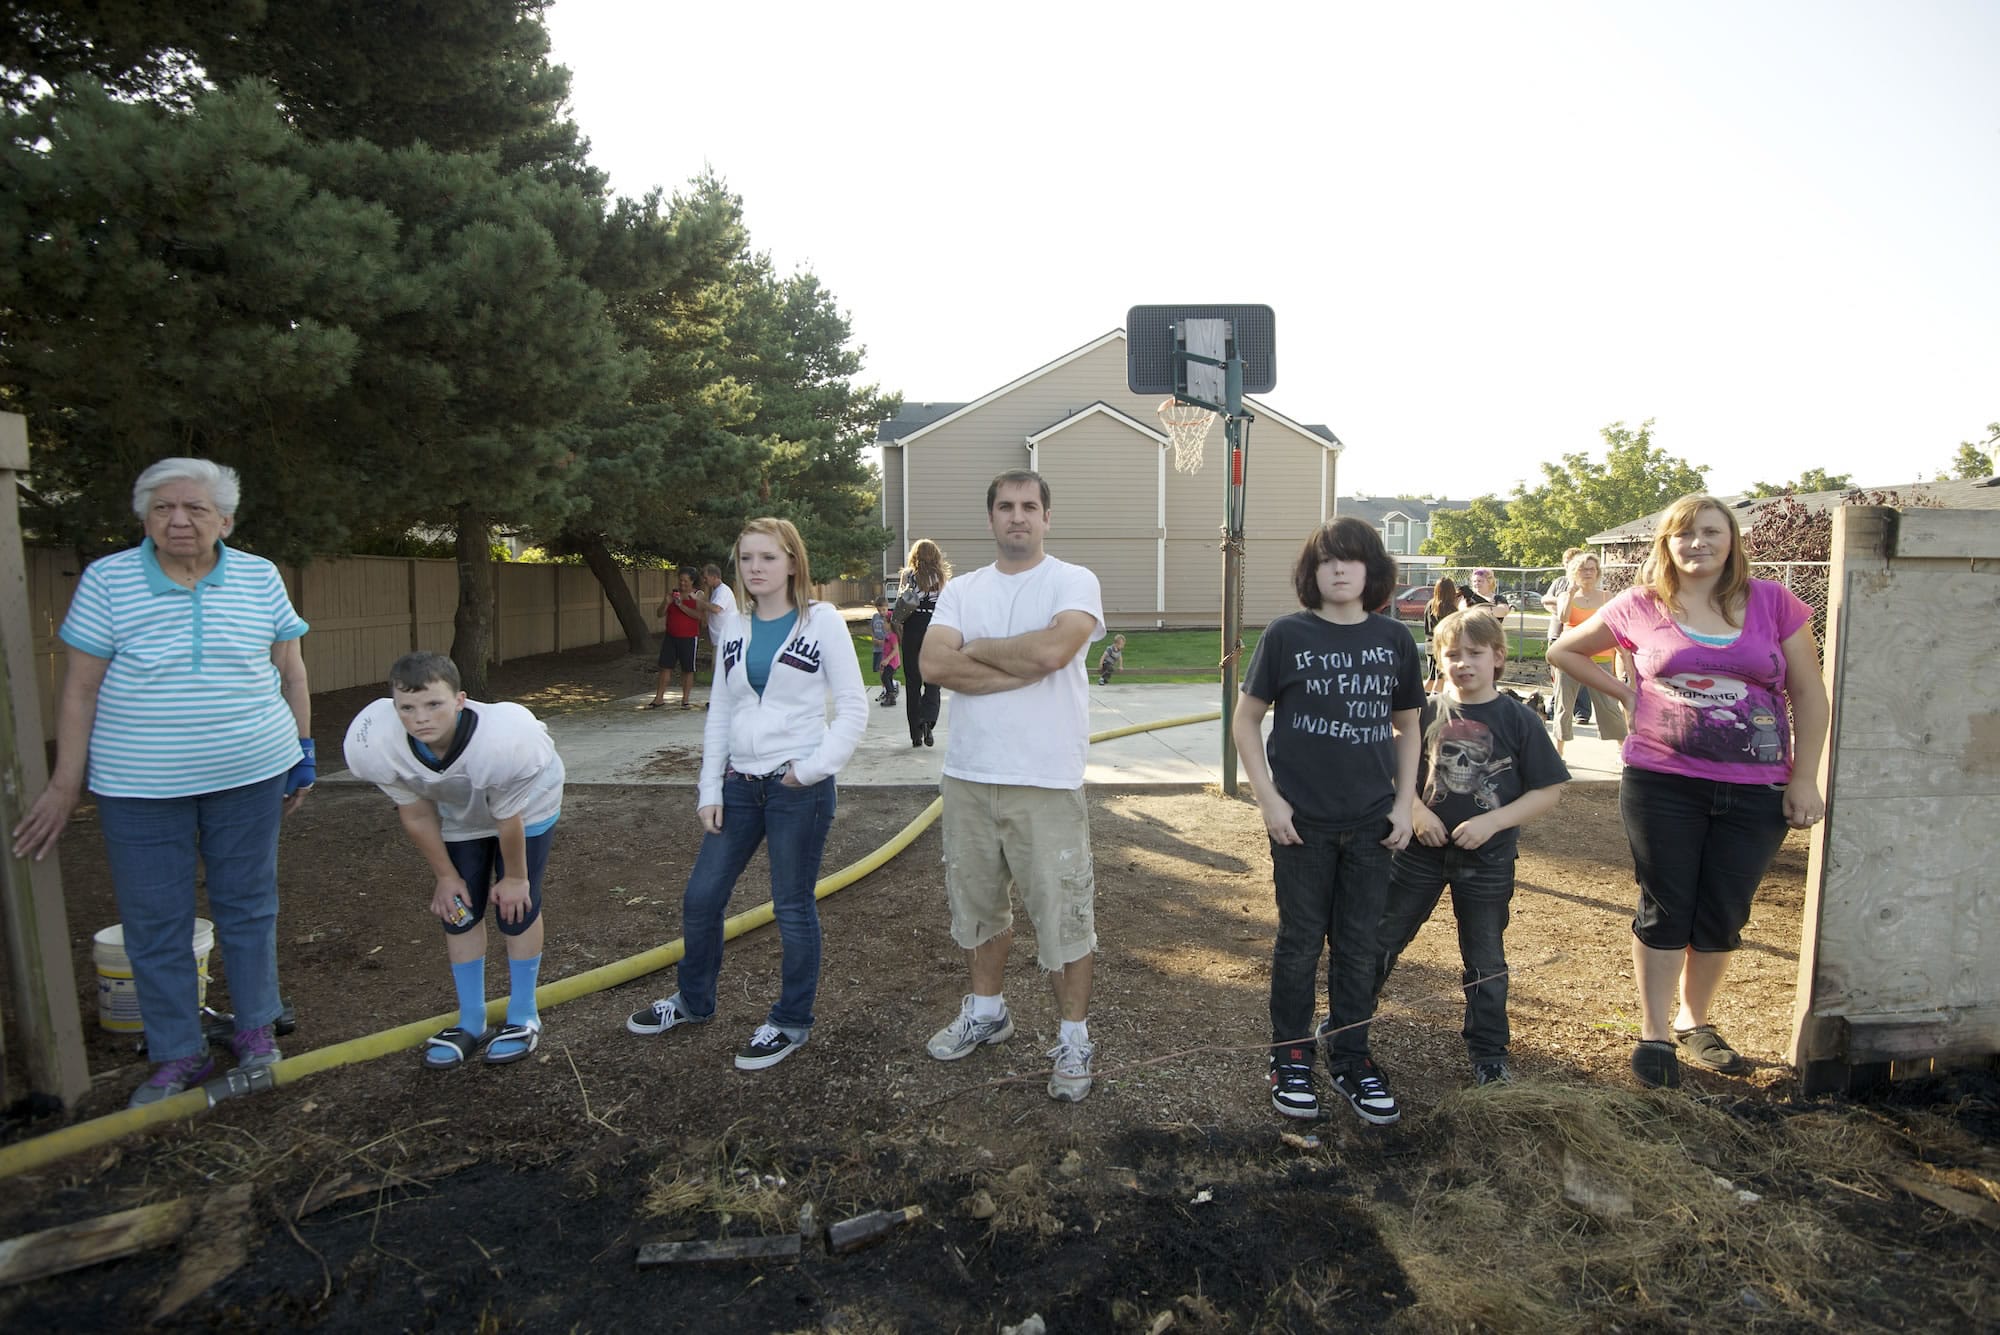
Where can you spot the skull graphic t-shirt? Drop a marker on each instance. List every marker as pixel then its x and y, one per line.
pixel 1481 759
pixel 1708 711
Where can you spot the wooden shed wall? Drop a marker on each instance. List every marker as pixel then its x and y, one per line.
pixel 1900 948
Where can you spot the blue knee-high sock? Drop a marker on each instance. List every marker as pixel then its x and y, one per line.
pixel 521 976
pixel 470 980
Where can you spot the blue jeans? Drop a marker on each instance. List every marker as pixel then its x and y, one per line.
pixel 791 823
pixel 153 844
pixel 1330 892
pixel 1481 892
pixel 1699 848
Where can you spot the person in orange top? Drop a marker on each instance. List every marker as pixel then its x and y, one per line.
pixel 1579 601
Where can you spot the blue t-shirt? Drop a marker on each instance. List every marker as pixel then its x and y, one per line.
pixel 766 638
pixel 190 701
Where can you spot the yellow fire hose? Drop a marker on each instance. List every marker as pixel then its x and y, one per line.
pixel 44 1150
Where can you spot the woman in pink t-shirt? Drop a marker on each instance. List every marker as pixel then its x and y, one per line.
pixel 1728 717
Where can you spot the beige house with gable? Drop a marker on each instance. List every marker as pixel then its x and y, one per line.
pixel 1117 504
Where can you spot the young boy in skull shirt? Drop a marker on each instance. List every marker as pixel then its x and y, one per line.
pixel 1487 765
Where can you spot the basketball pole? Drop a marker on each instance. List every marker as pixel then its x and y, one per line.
pixel 1232 554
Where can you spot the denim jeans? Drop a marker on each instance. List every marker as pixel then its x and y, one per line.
pixel 791 823
pixel 1699 848
pixel 154 844
pixel 1481 892
pixel 1330 892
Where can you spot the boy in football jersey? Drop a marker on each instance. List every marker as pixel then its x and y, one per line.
pixel 478 788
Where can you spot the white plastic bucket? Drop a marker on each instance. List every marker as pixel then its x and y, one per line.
pixel 118 995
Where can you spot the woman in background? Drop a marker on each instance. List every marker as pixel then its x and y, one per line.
pixel 924 579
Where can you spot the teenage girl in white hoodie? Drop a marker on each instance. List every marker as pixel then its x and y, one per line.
pixel 767 766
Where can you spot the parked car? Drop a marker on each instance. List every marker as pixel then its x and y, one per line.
pixel 1411 602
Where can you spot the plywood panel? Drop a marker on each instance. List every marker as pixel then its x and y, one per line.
pixel 1923 639
pixel 1903 925
pixel 1900 950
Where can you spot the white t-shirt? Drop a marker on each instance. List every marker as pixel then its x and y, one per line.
pixel 1038 735
pixel 508 768
pixel 725 608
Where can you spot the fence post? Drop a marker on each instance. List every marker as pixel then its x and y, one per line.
pixel 36 925
pixel 416 622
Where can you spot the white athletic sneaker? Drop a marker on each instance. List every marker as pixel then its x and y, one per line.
pixel 962 1035
pixel 1070 1080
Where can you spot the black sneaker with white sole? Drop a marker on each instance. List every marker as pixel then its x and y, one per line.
pixel 1366 1092
pixel 767 1047
pixel 1292 1089
pixel 662 1015
pixel 1492 1071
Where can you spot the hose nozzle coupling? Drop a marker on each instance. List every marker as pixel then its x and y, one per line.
pixel 253 1080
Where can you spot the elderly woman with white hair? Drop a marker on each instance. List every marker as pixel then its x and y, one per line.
pixel 185 712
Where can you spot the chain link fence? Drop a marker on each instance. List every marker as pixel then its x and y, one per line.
pixel 1522 587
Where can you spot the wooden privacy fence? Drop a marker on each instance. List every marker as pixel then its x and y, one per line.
pixel 365 611
pixel 1899 956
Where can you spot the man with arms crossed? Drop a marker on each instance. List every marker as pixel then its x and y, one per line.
pixel 1009 641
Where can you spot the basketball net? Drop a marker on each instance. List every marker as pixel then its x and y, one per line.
pixel 1186 425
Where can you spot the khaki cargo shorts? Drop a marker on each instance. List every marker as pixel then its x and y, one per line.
pixel 1001 835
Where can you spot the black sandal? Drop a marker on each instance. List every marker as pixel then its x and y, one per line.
pixel 528 1036
pixel 1656 1064
pixel 1710 1049
pixel 453 1047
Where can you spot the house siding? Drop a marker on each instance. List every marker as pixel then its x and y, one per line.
pixel 892 509
pixel 1105 494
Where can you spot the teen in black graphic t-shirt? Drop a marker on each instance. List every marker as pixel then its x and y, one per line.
pixel 1336 789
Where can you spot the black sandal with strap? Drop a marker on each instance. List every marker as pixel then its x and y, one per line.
pixel 453 1047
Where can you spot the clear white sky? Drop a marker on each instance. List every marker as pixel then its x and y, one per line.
pixel 1487 230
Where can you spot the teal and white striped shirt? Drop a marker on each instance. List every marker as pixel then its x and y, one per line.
pixel 191 702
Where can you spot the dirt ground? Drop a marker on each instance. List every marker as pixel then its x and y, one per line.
pixel 387 1197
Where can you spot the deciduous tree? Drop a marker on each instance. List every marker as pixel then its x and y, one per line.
pixel 1581 496
pixel 1974 462
pixel 1812 480
pixel 1469 537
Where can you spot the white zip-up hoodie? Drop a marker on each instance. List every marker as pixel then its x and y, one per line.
pixel 787 724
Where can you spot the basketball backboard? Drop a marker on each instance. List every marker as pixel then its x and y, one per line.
pixel 1150 341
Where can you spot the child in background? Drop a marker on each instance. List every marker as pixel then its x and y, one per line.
pixel 1336 792
pixel 1488 768
pixel 891 659
pixel 478 788
pixel 1112 659
pixel 878 629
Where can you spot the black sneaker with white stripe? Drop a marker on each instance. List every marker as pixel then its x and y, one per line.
pixel 659 1016
pixel 1292 1089
pixel 1363 1088
pixel 767 1047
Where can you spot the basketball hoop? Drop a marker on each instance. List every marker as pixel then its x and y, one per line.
pixel 1186 426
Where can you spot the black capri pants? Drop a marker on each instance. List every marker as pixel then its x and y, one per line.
pixel 1699 848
